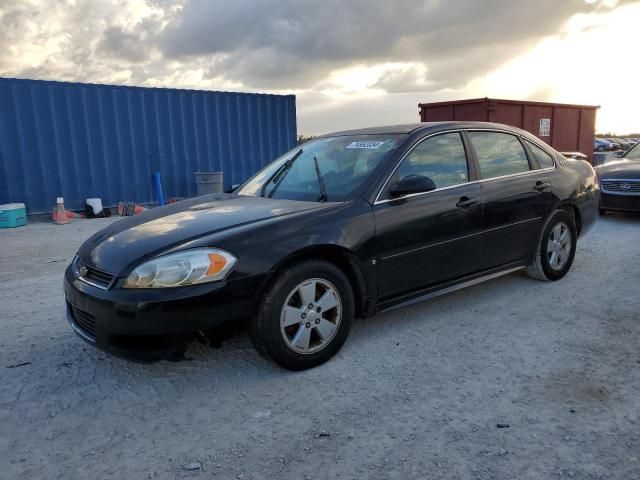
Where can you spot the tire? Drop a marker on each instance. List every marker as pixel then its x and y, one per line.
pixel 288 319
pixel 549 267
pixel 600 148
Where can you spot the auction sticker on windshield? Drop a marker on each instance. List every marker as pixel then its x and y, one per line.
pixel 371 145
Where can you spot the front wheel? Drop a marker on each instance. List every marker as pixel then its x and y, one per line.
pixel 556 249
pixel 305 316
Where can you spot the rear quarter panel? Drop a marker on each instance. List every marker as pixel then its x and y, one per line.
pixel 574 182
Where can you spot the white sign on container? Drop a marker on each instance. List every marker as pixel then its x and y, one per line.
pixel 545 127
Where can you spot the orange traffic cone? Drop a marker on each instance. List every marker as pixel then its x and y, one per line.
pixel 126 209
pixel 60 214
pixel 70 215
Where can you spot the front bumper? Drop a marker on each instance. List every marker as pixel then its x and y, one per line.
pixel 149 323
pixel 628 203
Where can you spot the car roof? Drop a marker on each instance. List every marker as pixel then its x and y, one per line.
pixel 423 127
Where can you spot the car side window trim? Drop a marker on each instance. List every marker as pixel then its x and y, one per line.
pixel 472 163
pixel 411 195
pixel 512 175
pixel 471 171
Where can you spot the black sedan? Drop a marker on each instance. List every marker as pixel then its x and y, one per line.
pixel 620 182
pixel 347 225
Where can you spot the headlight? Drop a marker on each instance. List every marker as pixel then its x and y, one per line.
pixel 180 269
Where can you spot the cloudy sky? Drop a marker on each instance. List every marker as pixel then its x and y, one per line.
pixel 351 63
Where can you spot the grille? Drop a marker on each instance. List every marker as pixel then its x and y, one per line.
pixel 95 275
pixel 84 320
pixel 98 276
pixel 624 187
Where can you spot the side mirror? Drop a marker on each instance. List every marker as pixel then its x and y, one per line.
pixel 619 154
pixel 412 184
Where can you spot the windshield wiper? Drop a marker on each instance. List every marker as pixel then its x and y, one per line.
pixel 279 173
pixel 323 190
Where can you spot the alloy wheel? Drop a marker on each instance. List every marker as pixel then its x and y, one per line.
pixel 559 246
pixel 311 316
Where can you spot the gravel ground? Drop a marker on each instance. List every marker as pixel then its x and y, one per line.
pixel 512 379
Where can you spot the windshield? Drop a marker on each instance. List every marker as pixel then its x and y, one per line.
pixel 633 153
pixel 330 168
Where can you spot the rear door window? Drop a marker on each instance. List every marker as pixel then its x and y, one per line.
pixel 499 154
pixel 544 159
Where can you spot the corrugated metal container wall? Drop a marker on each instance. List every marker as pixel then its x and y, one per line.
pixel 566 128
pixel 81 140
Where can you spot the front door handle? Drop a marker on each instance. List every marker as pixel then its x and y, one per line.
pixel 466 202
pixel 541 186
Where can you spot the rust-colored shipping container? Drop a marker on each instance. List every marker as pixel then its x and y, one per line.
pixel 567 128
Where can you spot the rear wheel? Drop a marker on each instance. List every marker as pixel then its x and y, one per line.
pixel 305 315
pixel 557 248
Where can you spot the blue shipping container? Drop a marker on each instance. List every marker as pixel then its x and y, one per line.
pixel 81 140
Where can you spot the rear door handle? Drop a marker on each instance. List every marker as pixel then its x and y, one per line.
pixel 541 186
pixel 466 202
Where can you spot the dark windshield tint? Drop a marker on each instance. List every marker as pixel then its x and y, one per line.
pixel 343 163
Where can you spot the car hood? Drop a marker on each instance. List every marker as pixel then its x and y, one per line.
pixel 160 229
pixel 628 169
